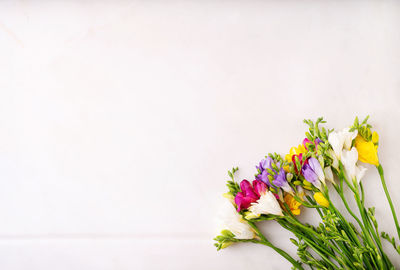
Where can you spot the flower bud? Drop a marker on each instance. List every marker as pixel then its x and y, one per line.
pixel 321 200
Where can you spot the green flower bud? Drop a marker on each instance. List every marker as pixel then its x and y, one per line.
pixel 297 183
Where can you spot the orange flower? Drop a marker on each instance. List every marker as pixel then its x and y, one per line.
pixel 294 205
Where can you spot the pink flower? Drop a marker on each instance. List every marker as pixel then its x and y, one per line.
pixel 317 141
pixel 249 193
pixel 259 187
pixel 300 157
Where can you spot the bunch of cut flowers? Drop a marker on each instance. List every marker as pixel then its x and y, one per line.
pixel 328 164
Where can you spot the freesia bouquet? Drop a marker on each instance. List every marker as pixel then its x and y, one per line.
pixel 327 163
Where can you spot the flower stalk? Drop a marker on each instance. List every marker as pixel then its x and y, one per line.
pixel 396 222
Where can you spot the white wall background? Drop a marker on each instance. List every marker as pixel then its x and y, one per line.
pixel 118 120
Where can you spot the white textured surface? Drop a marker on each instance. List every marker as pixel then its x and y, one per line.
pixel 119 119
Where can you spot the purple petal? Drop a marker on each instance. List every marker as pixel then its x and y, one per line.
pixel 264 178
pixel 316 167
pixel 309 174
pixel 280 178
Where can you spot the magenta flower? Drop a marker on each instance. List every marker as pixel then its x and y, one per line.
pixel 249 193
pixel 259 187
pixel 316 142
pixel 300 157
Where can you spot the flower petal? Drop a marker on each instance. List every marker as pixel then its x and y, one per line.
pixel 267 204
pixel 310 175
pixel 259 187
pixel 329 174
pixel 316 167
pixel 349 159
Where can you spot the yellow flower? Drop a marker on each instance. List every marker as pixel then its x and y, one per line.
pixel 367 151
pixel 293 204
pixel 375 137
pixel 295 151
pixel 321 200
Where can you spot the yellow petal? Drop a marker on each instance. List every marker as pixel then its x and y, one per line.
pixel 367 151
pixel 286 168
pixel 375 137
pixel 300 149
pixel 293 204
pixel 296 212
pixel 321 200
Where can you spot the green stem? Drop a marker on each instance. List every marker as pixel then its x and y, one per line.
pixel 266 242
pixel 380 170
pixel 312 242
pixel 314 237
pixel 370 227
pixel 363 225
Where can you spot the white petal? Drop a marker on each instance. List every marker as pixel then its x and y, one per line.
pixel 267 204
pixel 335 162
pixel 329 174
pixel 333 140
pixel 360 172
pixel 231 220
pixel 336 140
pixel 349 160
pixel 348 137
pixel 287 188
pixel 317 184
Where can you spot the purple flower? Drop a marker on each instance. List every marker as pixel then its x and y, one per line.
pixel 279 176
pixel 263 175
pixel 312 172
pixel 264 164
pixel 280 181
pixel 317 141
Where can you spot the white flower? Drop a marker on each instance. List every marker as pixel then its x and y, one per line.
pixel 360 172
pixel 349 160
pixel 348 137
pixel 335 162
pixel 340 139
pixel 287 188
pixel 300 192
pixel 267 204
pixel 231 220
pixel 329 174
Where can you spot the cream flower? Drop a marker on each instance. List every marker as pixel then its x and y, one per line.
pixel 267 204
pixel 231 220
pixel 360 172
pixel 349 160
pixel 329 174
pixel 348 137
pixel 341 139
pixel 335 162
